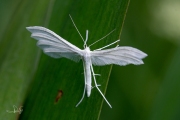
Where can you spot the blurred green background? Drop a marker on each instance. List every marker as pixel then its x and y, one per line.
pixel 147 92
pixel 150 91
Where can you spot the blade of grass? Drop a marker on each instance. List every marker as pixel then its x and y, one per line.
pixel 62 74
pixel 99 17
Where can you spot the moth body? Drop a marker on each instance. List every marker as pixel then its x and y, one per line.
pixel 87 74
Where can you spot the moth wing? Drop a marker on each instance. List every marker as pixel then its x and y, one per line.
pixel 54 45
pixel 118 55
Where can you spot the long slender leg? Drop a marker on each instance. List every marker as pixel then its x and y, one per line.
pixel 82 96
pixel 95 86
pixel 108 45
pixel 98 88
pixel 102 37
pixel 84 85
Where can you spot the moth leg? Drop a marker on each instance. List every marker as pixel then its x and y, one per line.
pixel 84 86
pixel 94 76
pixel 98 88
pixel 97 74
pixel 82 95
pixel 95 86
pixel 107 45
pixel 91 86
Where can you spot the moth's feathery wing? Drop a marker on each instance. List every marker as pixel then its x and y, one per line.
pixel 118 55
pixel 54 45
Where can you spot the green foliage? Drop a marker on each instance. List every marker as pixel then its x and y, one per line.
pixel 32 79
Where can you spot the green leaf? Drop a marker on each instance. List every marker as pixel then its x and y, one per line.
pixel 19 58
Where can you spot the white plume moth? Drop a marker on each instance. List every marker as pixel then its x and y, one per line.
pixel 57 47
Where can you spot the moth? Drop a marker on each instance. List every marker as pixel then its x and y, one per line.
pixel 55 46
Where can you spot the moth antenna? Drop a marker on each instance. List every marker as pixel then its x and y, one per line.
pixel 102 37
pixel 76 28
